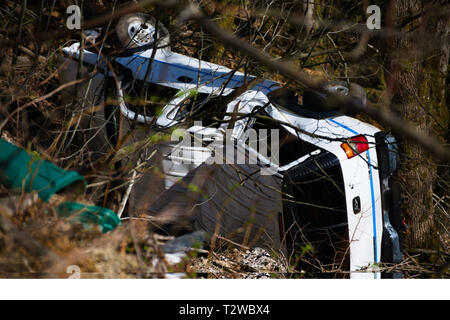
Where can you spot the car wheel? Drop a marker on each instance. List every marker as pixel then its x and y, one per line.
pixel 352 90
pixel 137 30
pixel 318 101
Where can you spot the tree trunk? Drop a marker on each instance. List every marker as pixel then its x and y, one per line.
pixel 416 81
pixel 308 10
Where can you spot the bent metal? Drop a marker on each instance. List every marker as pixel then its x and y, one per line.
pixel 251 147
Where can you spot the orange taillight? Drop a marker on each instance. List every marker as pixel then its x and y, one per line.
pixel 355 145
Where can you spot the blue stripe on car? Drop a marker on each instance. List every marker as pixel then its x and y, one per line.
pixel 372 194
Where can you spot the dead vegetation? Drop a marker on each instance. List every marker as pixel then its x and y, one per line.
pixel 36 243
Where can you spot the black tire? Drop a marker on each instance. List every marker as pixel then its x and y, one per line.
pixel 319 101
pixel 315 165
pixel 358 92
pixel 137 24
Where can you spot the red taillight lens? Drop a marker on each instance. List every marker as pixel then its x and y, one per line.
pixel 355 145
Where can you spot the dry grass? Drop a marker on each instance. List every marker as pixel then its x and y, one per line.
pixel 35 242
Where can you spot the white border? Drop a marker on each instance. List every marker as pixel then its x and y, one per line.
pixel 185 289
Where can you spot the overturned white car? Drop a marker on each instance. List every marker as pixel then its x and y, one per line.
pixel 305 180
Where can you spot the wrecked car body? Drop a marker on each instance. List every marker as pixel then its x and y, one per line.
pixel 329 189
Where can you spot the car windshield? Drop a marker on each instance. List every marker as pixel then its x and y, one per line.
pixel 200 106
pixel 147 99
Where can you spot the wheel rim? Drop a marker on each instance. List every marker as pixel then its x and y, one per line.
pixel 339 89
pixel 141 33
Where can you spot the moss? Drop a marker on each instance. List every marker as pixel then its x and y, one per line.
pixel 194 188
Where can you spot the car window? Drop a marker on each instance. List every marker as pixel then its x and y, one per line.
pixel 200 107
